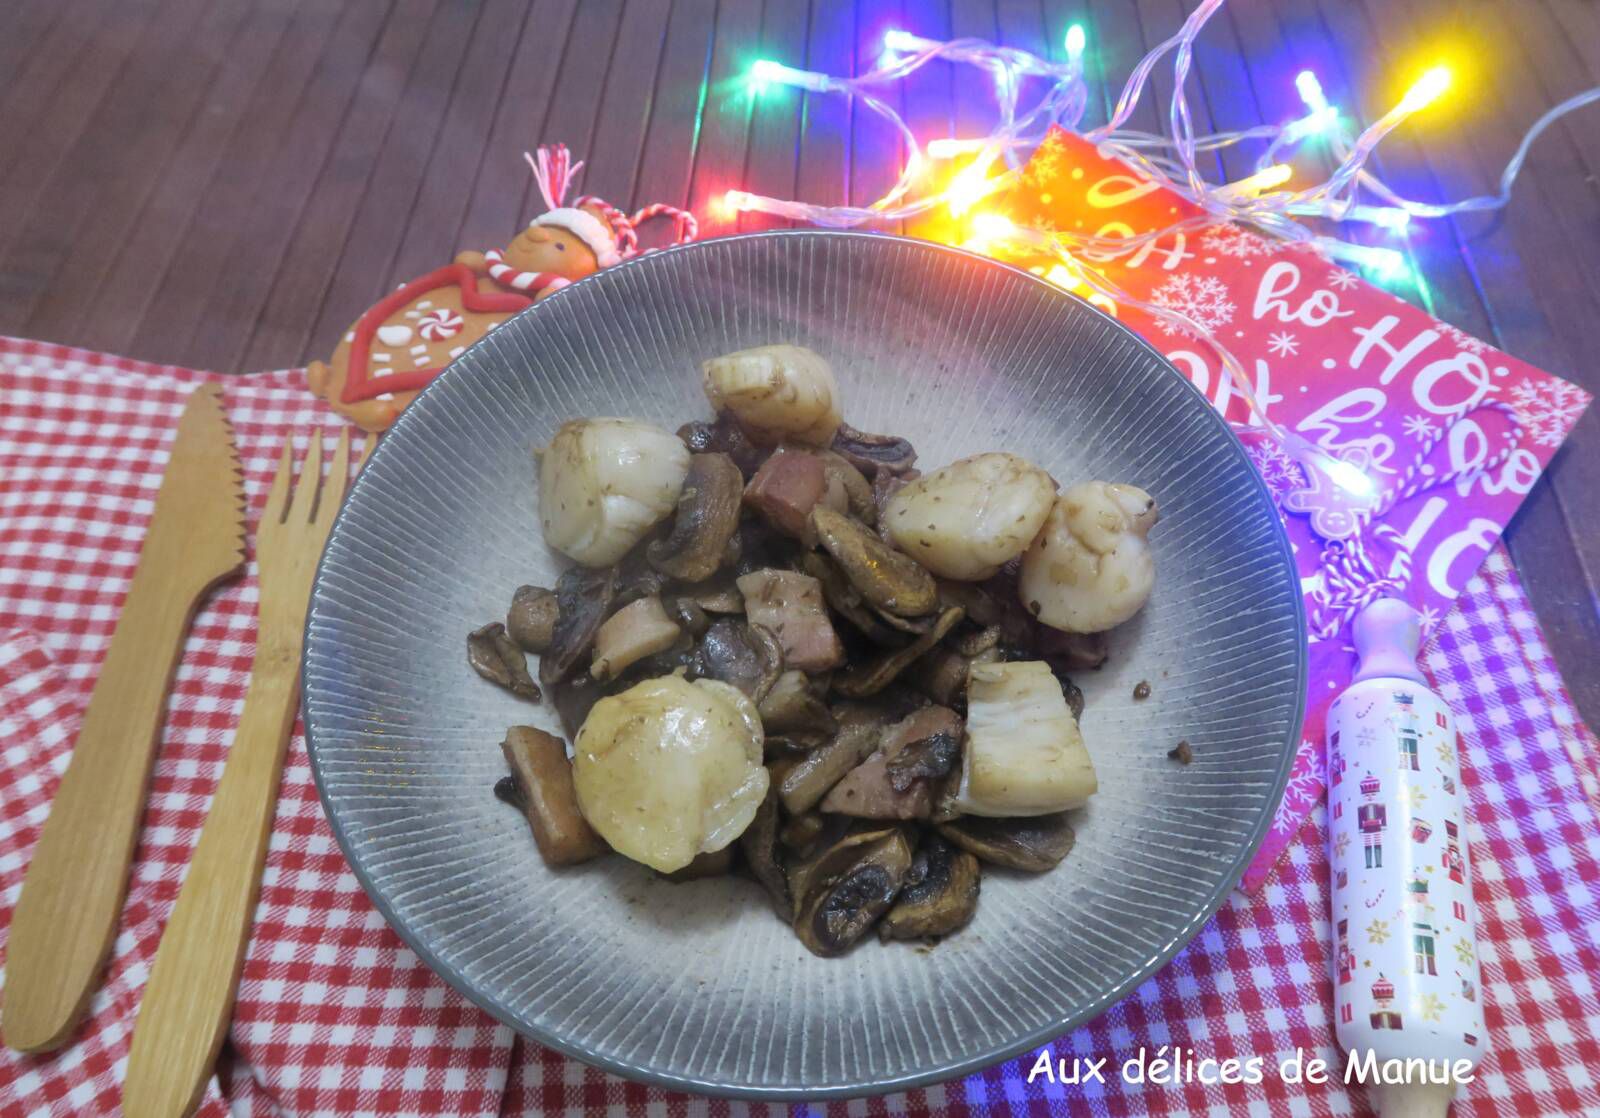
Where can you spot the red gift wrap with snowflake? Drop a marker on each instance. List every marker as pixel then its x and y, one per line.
pixel 1446 433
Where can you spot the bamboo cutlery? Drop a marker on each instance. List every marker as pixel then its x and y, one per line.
pixel 66 917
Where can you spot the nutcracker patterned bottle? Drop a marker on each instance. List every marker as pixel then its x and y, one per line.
pixel 1405 961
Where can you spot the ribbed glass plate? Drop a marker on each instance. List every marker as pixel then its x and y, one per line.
pixel 699 986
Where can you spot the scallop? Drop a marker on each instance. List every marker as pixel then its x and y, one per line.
pixel 670 769
pixel 1091 567
pixel 778 393
pixel 967 520
pixel 604 483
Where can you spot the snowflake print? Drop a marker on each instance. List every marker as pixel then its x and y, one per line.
pixel 1342 843
pixel 1412 796
pixel 1201 299
pixel 1549 409
pixel 1464 952
pixel 1419 426
pixel 1046 162
pixel 1378 931
pixel 1284 344
pixel 1343 279
pixel 1231 240
pixel 1430 618
pixel 1447 754
pixel 1281 472
pixel 1430 1007
pixel 1463 340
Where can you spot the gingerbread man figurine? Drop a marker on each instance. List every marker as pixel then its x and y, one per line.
pixel 399 345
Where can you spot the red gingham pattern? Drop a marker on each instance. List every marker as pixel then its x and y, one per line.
pixel 337 1017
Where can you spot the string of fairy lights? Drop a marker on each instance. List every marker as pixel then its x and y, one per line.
pixel 1350 194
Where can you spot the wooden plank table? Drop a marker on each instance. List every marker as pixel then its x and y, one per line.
pixel 227 184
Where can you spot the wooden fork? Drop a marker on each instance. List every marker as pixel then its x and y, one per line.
pixel 189 997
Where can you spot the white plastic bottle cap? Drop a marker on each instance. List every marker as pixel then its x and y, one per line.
pixel 1388 634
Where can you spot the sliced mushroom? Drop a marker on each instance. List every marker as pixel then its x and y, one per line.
pixel 793 705
pixel 707 518
pixel 584 598
pixel 542 777
pixel 841 891
pixel 976 642
pixel 1034 843
pixel 636 579
pixel 859 500
pixel 802 833
pixel 876 674
pixel 942 674
pixel 724 436
pixel 939 894
pixel 993 604
pixel 531 620
pixel 791 606
pixel 573 698
pixel 1071 652
pixel 846 600
pixel 496 657
pixel 803 786
pixel 873 453
pixel 719 595
pixel 760 846
pixel 686 614
pixel 747 656
pixel 886 578
pixel 931 747
pixel 637 630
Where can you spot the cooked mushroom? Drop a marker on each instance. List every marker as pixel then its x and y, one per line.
pixel 686 614
pixel 495 657
pixel 801 833
pixel 790 604
pixel 976 642
pixel 993 604
pixel 584 598
pixel 747 656
pixel 876 674
pixel 966 520
pixel 942 674
pixel 723 436
pixel 639 629
pixel 872 454
pixel 804 785
pixel 604 483
pixel 1071 652
pixel 777 392
pixel 888 784
pixel 859 499
pixel 531 620
pixel 886 578
pixel 1034 843
pixel 1091 568
pixel 1024 754
pixel 760 846
pixel 573 698
pixel 842 890
pixel 793 705
pixel 719 595
pixel 939 894
pixel 542 776
pixel 669 769
pixel 845 599
pixel 707 518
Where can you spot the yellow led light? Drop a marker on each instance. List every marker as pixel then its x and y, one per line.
pixel 970 187
pixel 1265 179
pixel 1426 90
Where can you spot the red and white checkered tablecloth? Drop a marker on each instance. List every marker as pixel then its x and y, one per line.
pixel 336 1016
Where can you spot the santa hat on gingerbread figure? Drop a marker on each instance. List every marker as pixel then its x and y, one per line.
pixel 567 243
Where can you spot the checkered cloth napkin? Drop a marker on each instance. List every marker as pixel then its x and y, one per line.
pixel 336 1016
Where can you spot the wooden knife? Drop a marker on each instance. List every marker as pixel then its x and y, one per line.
pixel 66 917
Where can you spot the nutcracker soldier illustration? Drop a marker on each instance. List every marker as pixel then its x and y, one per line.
pixel 1382 996
pixel 1371 819
pixel 1452 853
pixel 1336 763
pixel 1346 957
pixel 1417 894
pixel 1405 731
pixel 1468 990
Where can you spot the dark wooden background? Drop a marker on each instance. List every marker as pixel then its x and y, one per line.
pixel 227 184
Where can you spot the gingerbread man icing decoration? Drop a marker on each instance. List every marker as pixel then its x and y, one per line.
pixel 398 346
